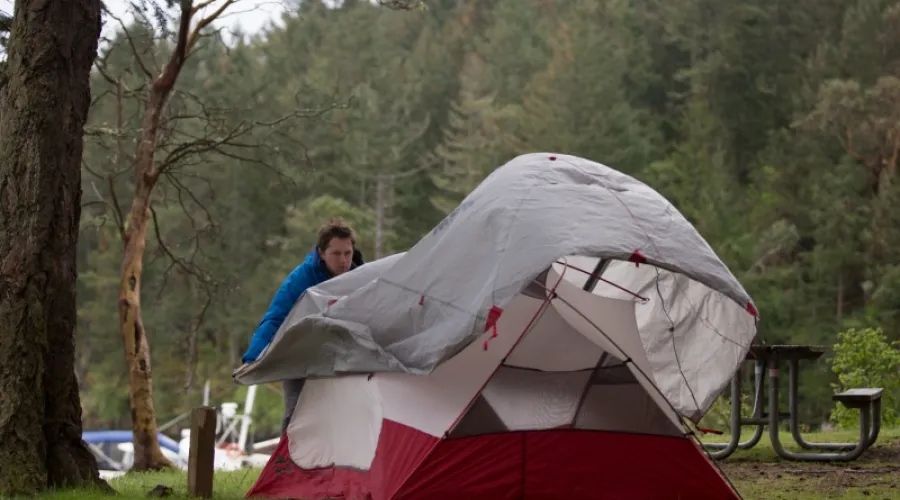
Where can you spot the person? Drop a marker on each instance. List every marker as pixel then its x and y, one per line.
pixel 335 254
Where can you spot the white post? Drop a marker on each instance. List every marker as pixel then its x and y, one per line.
pixel 206 393
pixel 248 410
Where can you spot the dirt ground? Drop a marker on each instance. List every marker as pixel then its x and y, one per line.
pixel 875 475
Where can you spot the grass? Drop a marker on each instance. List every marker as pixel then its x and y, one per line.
pixel 231 485
pixel 758 474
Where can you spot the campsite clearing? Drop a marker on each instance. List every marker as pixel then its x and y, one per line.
pixel 757 474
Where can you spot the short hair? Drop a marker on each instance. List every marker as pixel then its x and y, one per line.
pixel 334 228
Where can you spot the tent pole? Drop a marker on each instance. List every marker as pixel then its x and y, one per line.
pixel 594 277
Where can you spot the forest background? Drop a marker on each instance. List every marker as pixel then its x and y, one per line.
pixel 774 126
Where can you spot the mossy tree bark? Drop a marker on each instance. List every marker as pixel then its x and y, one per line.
pixel 44 103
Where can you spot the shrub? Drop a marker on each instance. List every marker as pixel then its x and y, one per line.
pixel 865 358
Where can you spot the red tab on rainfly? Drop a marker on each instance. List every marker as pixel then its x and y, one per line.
pixel 752 310
pixel 491 323
pixel 493 316
pixel 638 258
pixel 331 301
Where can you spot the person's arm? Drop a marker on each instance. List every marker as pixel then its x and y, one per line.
pixel 287 295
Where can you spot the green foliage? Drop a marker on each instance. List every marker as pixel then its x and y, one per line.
pixel 865 358
pixel 770 125
pixel 268 407
pixel 475 138
pixel 304 220
pixel 718 418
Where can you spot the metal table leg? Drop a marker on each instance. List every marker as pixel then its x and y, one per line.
pixel 793 382
pixel 759 370
pixel 723 450
pixel 774 420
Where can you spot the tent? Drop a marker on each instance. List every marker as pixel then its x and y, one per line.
pixel 544 341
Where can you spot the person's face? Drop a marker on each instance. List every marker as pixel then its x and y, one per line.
pixel 338 255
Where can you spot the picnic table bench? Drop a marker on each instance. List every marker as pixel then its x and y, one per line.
pixel 867 400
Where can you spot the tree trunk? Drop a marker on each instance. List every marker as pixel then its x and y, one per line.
pixel 840 301
pixel 43 108
pixel 379 215
pixel 147 454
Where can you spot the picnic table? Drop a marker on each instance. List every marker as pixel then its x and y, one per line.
pixel 766 359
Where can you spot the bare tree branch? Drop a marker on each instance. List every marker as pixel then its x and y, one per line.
pixel 204 22
pixel 102 69
pixel 117 208
pixel 202 5
pixel 402 4
pixel 94 203
pixel 192 341
pixel 130 39
pixel 182 190
pixel 187 267
pixel 109 206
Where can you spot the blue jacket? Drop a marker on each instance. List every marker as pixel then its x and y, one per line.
pixel 308 274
